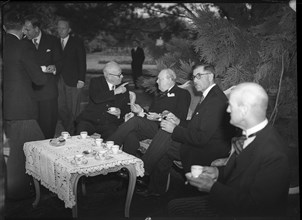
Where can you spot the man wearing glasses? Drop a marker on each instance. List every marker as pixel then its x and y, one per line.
pixel 105 92
pixel 199 141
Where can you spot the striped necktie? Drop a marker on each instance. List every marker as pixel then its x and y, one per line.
pixel 36 43
pixel 62 44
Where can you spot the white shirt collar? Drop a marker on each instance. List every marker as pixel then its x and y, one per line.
pixel 170 88
pixel 205 93
pixel 38 38
pixel 65 39
pixel 109 85
pixel 15 35
pixel 256 128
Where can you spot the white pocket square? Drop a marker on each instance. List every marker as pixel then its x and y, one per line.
pixel 48 50
pixel 170 94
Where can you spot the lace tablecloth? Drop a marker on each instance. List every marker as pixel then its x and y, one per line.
pixel 53 168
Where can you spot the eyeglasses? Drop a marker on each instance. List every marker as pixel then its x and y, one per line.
pixel 198 75
pixel 119 76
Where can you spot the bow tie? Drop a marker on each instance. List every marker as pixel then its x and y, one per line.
pixel 162 94
pixel 237 142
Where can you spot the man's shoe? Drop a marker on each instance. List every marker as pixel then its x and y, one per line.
pixel 146 193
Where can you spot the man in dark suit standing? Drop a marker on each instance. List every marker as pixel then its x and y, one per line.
pixel 138 58
pixel 20 70
pixel 72 72
pixel 48 55
pixel 255 180
pixel 105 92
pixel 198 141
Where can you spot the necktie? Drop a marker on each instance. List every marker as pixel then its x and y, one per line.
pixel 62 44
pixel 36 43
pixel 237 143
pixel 201 99
pixel 162 94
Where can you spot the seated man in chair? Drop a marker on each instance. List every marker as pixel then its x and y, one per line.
pixel 198 141
pixel 146 125
pixel 256 178
pixel 105 92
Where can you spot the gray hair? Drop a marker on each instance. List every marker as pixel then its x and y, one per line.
pixel 170 74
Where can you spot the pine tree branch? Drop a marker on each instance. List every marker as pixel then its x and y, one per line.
pixel 274 113
pixel 187 9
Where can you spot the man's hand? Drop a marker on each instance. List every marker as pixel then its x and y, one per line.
pixel 204 181
pixel 80 84
pixel 167 126
pixel 136 108
pixel 128 116
pixel 172 118
pixel 116 112
pixel 153 116
pixel 121 89
pixel 51 69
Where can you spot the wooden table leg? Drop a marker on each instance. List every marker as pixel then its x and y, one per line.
pixel 38 195
pixel 132 181
pixel 75 207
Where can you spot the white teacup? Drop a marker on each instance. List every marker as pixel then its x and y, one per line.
pixel 98 142
pixel 115 149
pixel 196 170
pixel 112 109
pixel 109 144
pixel 65 134
pixel 84 134
pixel 78 158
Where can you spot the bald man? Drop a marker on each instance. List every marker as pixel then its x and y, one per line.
pixel 105 92
pixel 255 180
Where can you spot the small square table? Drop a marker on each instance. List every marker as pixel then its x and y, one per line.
pixel 53 167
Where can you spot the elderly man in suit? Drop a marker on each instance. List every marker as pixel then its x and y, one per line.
pixel 146 124
pixel 105 92
pixel 20 109
pixel 47 55
pixel 72 72
pixel 255 180
pixel 198 141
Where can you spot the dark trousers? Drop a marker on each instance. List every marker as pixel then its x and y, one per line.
pixel 48 116
pixel 159 174
pixel 69 105
pixel 158 147
pixel 131 132
pixel 137 71
pixel 19 132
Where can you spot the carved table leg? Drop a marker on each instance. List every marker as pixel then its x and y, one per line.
pixel 131 186
pixel 37 189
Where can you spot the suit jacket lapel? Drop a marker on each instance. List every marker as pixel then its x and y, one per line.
pixel 204 102
pixel 247 155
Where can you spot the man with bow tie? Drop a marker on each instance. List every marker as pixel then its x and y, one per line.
pixel 147 124
pixel 255 180
pixel 48 56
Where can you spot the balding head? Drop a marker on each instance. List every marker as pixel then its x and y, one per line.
pixel 247 104
pixel 113 73
pixel 166 79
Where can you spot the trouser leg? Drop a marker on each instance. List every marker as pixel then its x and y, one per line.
pixel 19 132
